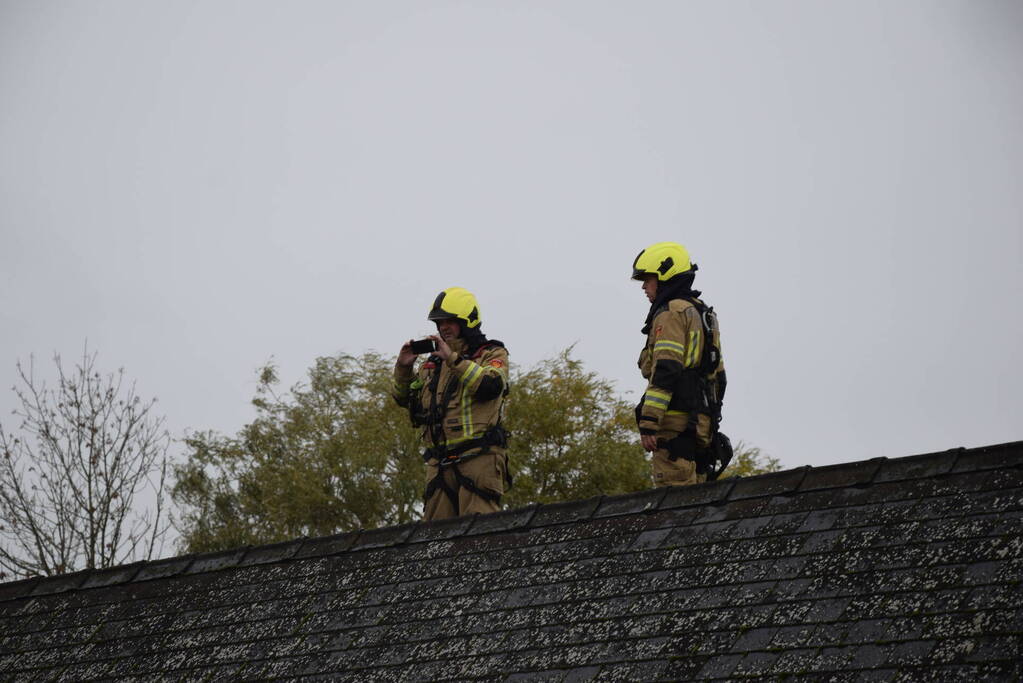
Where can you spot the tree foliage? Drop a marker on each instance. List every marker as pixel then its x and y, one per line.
pixel 335 453
pixel 572 435
pixel 330 455
pixel 85 452
pixel 749 461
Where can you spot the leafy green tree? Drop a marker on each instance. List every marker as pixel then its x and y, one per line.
pixel 332 455
pixel 572 435
pixel 336 453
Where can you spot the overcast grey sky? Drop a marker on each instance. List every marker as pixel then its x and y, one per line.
pixel 195 187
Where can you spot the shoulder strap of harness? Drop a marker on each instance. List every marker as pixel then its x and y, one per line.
pixel 433 419
pixel 495 436
pixel 488 344
pixel 450 457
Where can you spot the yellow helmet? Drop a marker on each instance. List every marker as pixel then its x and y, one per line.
pixel 456 302
pixel 664 259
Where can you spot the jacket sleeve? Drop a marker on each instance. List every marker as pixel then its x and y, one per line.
pixel 487 376
pixel 677 347
pixel 401 380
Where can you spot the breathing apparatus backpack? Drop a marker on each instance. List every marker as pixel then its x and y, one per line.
pixel 701 391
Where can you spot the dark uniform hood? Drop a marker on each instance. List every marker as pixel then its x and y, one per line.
pixel 470 341
pixel 678 287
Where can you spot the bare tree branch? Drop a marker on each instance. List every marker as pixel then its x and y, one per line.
pixel 87 451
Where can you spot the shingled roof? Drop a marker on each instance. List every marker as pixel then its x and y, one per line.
pixel 901 569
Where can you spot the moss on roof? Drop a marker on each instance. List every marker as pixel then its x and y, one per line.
pixel 890 569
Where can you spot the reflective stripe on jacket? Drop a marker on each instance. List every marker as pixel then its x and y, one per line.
pixel 476 387
pixel 674 345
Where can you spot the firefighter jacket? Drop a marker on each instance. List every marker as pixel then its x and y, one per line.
pixel 671 362
pixel 455 402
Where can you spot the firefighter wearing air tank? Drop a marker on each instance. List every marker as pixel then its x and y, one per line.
pixel 456 397
pixel 679 414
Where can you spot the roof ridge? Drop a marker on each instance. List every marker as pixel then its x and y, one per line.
pixel 790 482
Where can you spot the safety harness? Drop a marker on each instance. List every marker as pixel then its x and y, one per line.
pixel 449 457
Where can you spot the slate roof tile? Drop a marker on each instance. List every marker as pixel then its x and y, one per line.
pixel 215 561
pixel 784 482
pixel 565 512
pixel 1000 456
pixel 441 529
pixel 924 466
pixel 960 673
pixel 384 537
pixel 826 610
pixel 721 666
pixel 60 584
pixel 739 509
pixel 841 476
pixel 752 616
pixel 705 494
pixel 268 554
pixel 537 677
pixel 994 597
pixel 503 521
pixel 910 653
pixel 995 648
pixel 582 673
pixel 863 675
pixel 328 546
pixel 754 639
pixel 755 593
pixel 679 668
pixel 163 568
pixel 756 664
pixel 644 501
pixel 830 659
pixel 108 577
pixel 672 518
pixel 697 644
pixel 652 538
pixel 796 637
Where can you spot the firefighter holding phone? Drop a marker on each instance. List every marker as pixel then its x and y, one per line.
pixel 456 397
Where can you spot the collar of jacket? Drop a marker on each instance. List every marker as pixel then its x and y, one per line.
pixel 678 287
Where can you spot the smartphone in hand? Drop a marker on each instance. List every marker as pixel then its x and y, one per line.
pixel 422 346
